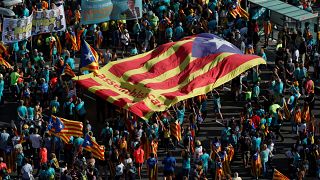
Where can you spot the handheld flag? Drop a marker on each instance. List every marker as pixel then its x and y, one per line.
pixel 236 9
pixel 67 70
pixel 173 72
pixel 279 176
pixel 64 128
pixel 89 58
pixel 5 63
pixel 72 39
pixel 92 146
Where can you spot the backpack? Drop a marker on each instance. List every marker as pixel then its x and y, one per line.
pixel 54 109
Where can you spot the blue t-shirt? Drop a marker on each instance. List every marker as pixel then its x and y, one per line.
pixel 279 88
pixel 180 114
pixel 264 155
pixel 15 46
pixel 169 32
pixel 44 88
pixel 178 32
pixel 55 104
pixel 256 143
pixel 46 75
pixel 69 106
pixel 31 112
pixel 80 109
pixel 20 159
pixel 186 163
pixel 205 159
pixel 70 62
pixel 25 12
pixel 78 142
pixel 22 110
pixel 152 162
pixel 169 163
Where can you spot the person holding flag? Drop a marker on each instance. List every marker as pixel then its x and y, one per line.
pixel 90 145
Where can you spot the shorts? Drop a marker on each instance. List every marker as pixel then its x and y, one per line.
pixel 168 173
pixel 186 172
pixel 138 165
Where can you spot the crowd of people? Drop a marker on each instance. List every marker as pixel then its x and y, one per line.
pixel 41 88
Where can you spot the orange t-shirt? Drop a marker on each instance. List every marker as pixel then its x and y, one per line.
pixel 138 155
pixel 43 155
pixel 45 5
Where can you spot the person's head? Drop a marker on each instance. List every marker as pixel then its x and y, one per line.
pixel 1 159
pixel 131 4
pixel 21 102
pixel 235 175
pixel 169 154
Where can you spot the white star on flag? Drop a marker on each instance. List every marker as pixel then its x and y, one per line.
pixel 88 142
pixel 218 42
pixel 60 126
pixel 88 56
pixel 50 124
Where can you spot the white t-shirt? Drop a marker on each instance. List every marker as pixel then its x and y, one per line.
pixel 198 152
pixel 26 171
pixel 127 162
pixel 35 140
pixel 296 55
pixel 302 127
pixel 119 169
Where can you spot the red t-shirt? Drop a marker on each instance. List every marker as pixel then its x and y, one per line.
pixel 138 155
pixel 256 121
pixel 43 155
pixel 3 166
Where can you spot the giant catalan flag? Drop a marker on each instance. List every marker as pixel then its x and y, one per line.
pixel 175 71
pixel 64 128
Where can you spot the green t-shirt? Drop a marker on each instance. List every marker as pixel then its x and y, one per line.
pixel 14 76
pixel 273 108
pixel 248 95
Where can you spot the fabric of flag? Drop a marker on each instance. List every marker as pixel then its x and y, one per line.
pixel 279 176
pixel 5 63
pixel 236 10
pixel 92 146
pixel 67 70
pixel 64 128
pixel 175 129
pixel 89 58
pixel 173 72
pixel 72 39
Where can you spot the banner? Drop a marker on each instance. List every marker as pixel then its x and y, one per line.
pixel 97 11
pixel 173 72
pixel 47 21
pixel 16 29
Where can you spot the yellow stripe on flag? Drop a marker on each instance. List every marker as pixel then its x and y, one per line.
pixel 147 66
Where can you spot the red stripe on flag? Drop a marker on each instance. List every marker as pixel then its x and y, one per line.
pixel 164 65
pixel 105 93
pixel 122 102
pixel 223 68
pixel 140 109
pixel 120 68
pixel 191 67
pixel 87 83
